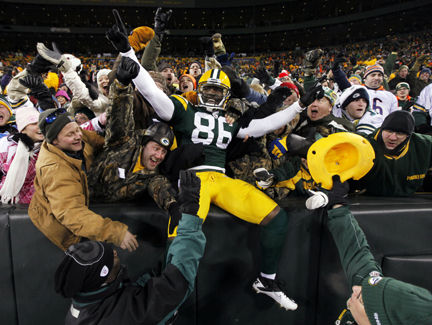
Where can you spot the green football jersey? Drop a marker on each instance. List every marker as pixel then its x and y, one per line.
pixel 194 124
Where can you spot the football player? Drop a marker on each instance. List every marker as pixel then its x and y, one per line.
pixel 205 123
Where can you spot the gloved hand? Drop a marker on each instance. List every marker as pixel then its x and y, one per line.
pixel 239 87
pixel 39 65
pixel 33 82
pixel 117 34
pixel 311 61
pixel 161 21
pixel 277 148
pixel 38 90
pixel 337 195
pixel 175 216
pixel 263 178
pixel 218 45
pixel 317 200
pixel 340 58
pixel 235 108
pixel 278 96
pixel 213 64
pixel 264 76
pixel 127 70
pixel 190 186
pixel 316 92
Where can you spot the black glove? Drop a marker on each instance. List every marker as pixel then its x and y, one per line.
pixel 175 216
pixel 316 92
pixel 340 58
pixel 190 186
pixel 39 65
pixel 117 34
pixel 38 90
pixel 339 192
pixel 264 76
pixel 161 20
pixel 239 87
pixel 33 82
pixel 127 70
pixel 277 97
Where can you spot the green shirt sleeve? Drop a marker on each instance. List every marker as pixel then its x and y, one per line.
pixel 354 252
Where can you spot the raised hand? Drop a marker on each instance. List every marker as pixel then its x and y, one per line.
pixel 263 178
pixel 117 34
pixel 127 70
pixel 190 187
pixel 161 21
pixel 316 92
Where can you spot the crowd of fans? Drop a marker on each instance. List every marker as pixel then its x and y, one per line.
pixel 261 115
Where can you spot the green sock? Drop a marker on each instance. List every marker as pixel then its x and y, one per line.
pixel 272 240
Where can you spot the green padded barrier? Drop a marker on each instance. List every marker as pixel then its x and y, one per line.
pixel 150 224
pixel 231 264
pixel 393 227
pixel 34 262
pixel 412 269
pixel 8 312
pixel 310 267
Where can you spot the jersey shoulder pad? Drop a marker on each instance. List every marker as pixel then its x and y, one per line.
pixel 180 101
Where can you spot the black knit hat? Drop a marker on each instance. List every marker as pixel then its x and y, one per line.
pixel 353 93
pixel 52 121
pixel 399 121
pixel 84 269
pixel 86 111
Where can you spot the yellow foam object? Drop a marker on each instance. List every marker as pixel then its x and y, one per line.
pixel 345 154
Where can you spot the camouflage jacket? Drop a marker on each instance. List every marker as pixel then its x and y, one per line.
pixel 111 177
pixel 243 167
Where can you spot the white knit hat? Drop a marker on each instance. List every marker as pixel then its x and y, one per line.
pixel 25 116
pixel 102 72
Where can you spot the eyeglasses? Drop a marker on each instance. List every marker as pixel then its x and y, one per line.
pixel 53 116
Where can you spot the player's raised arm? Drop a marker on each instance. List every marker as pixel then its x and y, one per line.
pixel 161 103
pixel 260 127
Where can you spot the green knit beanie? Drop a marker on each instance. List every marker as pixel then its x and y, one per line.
pixel 330 95
pixel 391 302
pixel 52 121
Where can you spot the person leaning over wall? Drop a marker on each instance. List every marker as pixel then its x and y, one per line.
pixel 59 207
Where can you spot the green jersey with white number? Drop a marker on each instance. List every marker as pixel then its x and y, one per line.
pixel 193 124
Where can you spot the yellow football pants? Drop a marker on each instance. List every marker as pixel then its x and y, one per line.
pixel 234 196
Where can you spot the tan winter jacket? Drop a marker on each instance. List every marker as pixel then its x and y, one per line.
pixel 59 207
